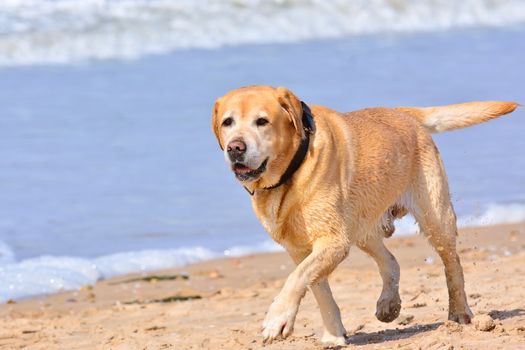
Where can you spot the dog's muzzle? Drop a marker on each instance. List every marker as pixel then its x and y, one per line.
pixel 244 173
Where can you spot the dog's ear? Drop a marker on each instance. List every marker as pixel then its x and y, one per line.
pixel 215 122
pixel 292 106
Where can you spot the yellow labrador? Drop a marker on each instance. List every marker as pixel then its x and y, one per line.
pixel 322 181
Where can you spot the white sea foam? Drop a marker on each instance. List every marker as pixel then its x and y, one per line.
pixel 147 260
pixel 266 246
pixel 493 214
pixel 63 31
pixel 48 274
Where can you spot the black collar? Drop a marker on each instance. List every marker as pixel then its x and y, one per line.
pixel 300 154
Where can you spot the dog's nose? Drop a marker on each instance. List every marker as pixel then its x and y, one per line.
pixel 236 149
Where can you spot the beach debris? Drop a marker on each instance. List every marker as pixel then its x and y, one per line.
pixel 156 278
pixel 405 319
pixel 416 305
pixel 29 331
pixel 176 298
pixel 225 292
pixel 91 297
pixel 475 296
pixel 421 292
pixel 10 301
pixel 169 299
pixel 429 260
pixel 483 323
pixel 155 328
pixel 86 287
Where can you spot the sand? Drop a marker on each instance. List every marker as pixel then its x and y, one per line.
pixel 128 312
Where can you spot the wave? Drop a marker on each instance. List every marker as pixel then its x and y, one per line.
pixel 49 274
pixel 65 31
pixel 494 214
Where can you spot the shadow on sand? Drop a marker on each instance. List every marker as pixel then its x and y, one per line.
pixel 361 338
pixel 391 334
pixel 403 333
pixel 504 314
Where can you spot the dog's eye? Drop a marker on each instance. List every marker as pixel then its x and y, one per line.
pixel 227 122
pixel 261 121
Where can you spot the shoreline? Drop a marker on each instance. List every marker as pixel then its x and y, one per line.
pixel 43 275
pixel 221 303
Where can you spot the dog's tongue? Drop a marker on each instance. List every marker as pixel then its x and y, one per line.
pixel 241 169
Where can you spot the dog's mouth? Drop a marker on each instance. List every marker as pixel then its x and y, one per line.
pixel 244 173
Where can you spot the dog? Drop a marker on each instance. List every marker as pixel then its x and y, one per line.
pixel 321 182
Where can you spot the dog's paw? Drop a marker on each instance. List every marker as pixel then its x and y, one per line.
pixel 462 318
pixel 279 322
pixel 460 314
pixel 388 308
pixel 333 340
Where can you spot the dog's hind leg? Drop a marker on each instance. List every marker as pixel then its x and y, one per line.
pixel 433 211
pixel 389 303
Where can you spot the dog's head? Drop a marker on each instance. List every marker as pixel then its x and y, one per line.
pixel 259 128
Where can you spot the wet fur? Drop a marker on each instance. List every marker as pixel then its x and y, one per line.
pixel 363 170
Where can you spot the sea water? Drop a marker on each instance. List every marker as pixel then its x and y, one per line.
pixel 107 160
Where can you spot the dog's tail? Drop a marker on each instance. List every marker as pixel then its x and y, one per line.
pixel 445 118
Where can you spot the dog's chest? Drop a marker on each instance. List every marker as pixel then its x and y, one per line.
pixel 268 212
pixel 277 219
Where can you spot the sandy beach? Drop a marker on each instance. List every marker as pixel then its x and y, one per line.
pixel 220 304
pixel 116 195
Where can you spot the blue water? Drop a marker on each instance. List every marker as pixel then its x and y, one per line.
pixel 64 31
pixel 115 156
pixel 106 157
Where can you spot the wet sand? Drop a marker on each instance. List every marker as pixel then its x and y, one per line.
pixel 220 304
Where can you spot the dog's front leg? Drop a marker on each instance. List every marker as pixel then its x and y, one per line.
pixel 334 331
pixel 324 258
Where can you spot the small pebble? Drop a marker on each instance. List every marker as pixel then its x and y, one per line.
pixel 483 323
pixel 405 319
pixel 429 260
